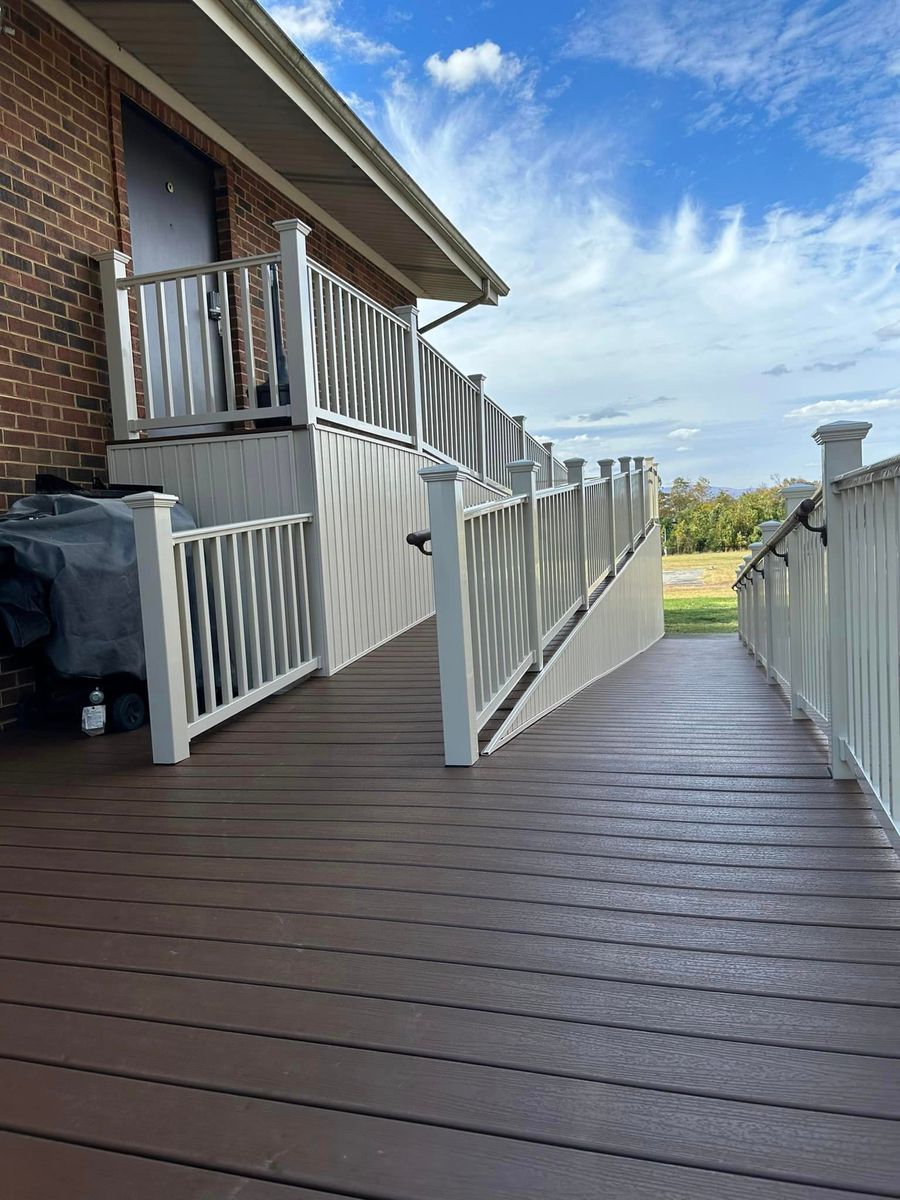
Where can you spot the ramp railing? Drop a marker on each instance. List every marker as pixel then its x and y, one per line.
pixel 226 618
pixel 510 574
pixel 819 608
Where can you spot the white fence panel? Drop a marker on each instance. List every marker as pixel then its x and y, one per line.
pixel 559 566
pixel 225 614
pixel 449 409
pixel 509 575
pixel 834 613
pixel 360 357
pixel 498 610
pixel 871 528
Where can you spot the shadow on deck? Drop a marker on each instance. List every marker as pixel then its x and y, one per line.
pixel 647 949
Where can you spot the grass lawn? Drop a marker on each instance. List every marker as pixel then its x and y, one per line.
pixel 697 592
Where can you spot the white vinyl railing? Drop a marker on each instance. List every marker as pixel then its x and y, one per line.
pixel 819 607
pixel 510 574
pixel 360 355
pixel 218 344
pixel 226 618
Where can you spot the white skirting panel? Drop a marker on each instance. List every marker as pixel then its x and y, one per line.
pixel 624 621
pixel 368 498
pixel 221 480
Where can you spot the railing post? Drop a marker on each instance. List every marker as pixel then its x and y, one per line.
pixel 793 494
pixel 298 320
pixel 625 468
pixel 757 595
pixel 841 443
pixel 523 443
pixel 639 461
pixel 523 476
pixel 771 565
pixel 478 380
pixel 650 464
pixel 606 472
pixel 451 597
pixel 575 469
pixel 749 631
pixel 161 624
pixel 409 315
pixel 548 447
pixel 119 349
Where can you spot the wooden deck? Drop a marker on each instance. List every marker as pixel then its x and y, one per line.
pixel 647 950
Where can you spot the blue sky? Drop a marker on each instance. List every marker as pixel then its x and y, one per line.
pixel 695 203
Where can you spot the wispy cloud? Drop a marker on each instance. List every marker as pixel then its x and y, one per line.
pixel 841 408
pixel 888 332
pixel 682 435
pixel 466 69
pixel 316 24
pixel 779 369
pixel 825 68
pixel 832 366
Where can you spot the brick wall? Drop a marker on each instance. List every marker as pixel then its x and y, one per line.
pixel 62 200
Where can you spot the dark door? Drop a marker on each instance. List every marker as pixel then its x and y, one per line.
pixel 172 211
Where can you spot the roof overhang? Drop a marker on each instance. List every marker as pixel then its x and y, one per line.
pixel 232 62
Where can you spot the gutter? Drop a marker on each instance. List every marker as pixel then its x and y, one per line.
pixel 484 298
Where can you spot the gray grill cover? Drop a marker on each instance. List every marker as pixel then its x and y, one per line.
pixel 68 573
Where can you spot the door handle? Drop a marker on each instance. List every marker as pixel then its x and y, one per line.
pixel 213 306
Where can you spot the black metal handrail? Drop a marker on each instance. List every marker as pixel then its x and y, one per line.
pixel 791 522
pixel 418 539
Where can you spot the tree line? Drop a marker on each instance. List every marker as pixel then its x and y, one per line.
pixel 695 518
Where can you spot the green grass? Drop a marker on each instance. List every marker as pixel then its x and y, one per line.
pixel 700 614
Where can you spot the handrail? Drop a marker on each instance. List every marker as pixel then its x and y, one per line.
pixel 420 538
pixel 886 468
pixel 211 531
pixel 789 523
pixel 228 264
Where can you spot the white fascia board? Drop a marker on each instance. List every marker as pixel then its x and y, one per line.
pixel 88 33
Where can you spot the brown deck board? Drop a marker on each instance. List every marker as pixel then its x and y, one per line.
pixel 649 948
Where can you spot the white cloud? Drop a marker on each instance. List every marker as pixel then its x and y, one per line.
pixel 315 24
pixel 682 435
pixel 604 307
pixel 841 408
pixel 465 69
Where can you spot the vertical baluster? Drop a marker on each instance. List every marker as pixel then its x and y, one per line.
pixel 236 601
pixel 165 360
pixel 220 608
pixel 247 330
pixel 267 623
pixel 278 609
pixel 254 632
pixel 334 359
pixel 150 406
pixel 187 633
pixel 271 347
pixel 184 335
pixel 473 575
pixel 292 615
pixel 305 627
pixel 227 347
pixel 207 662
pixel 326 388
pixel 206 350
